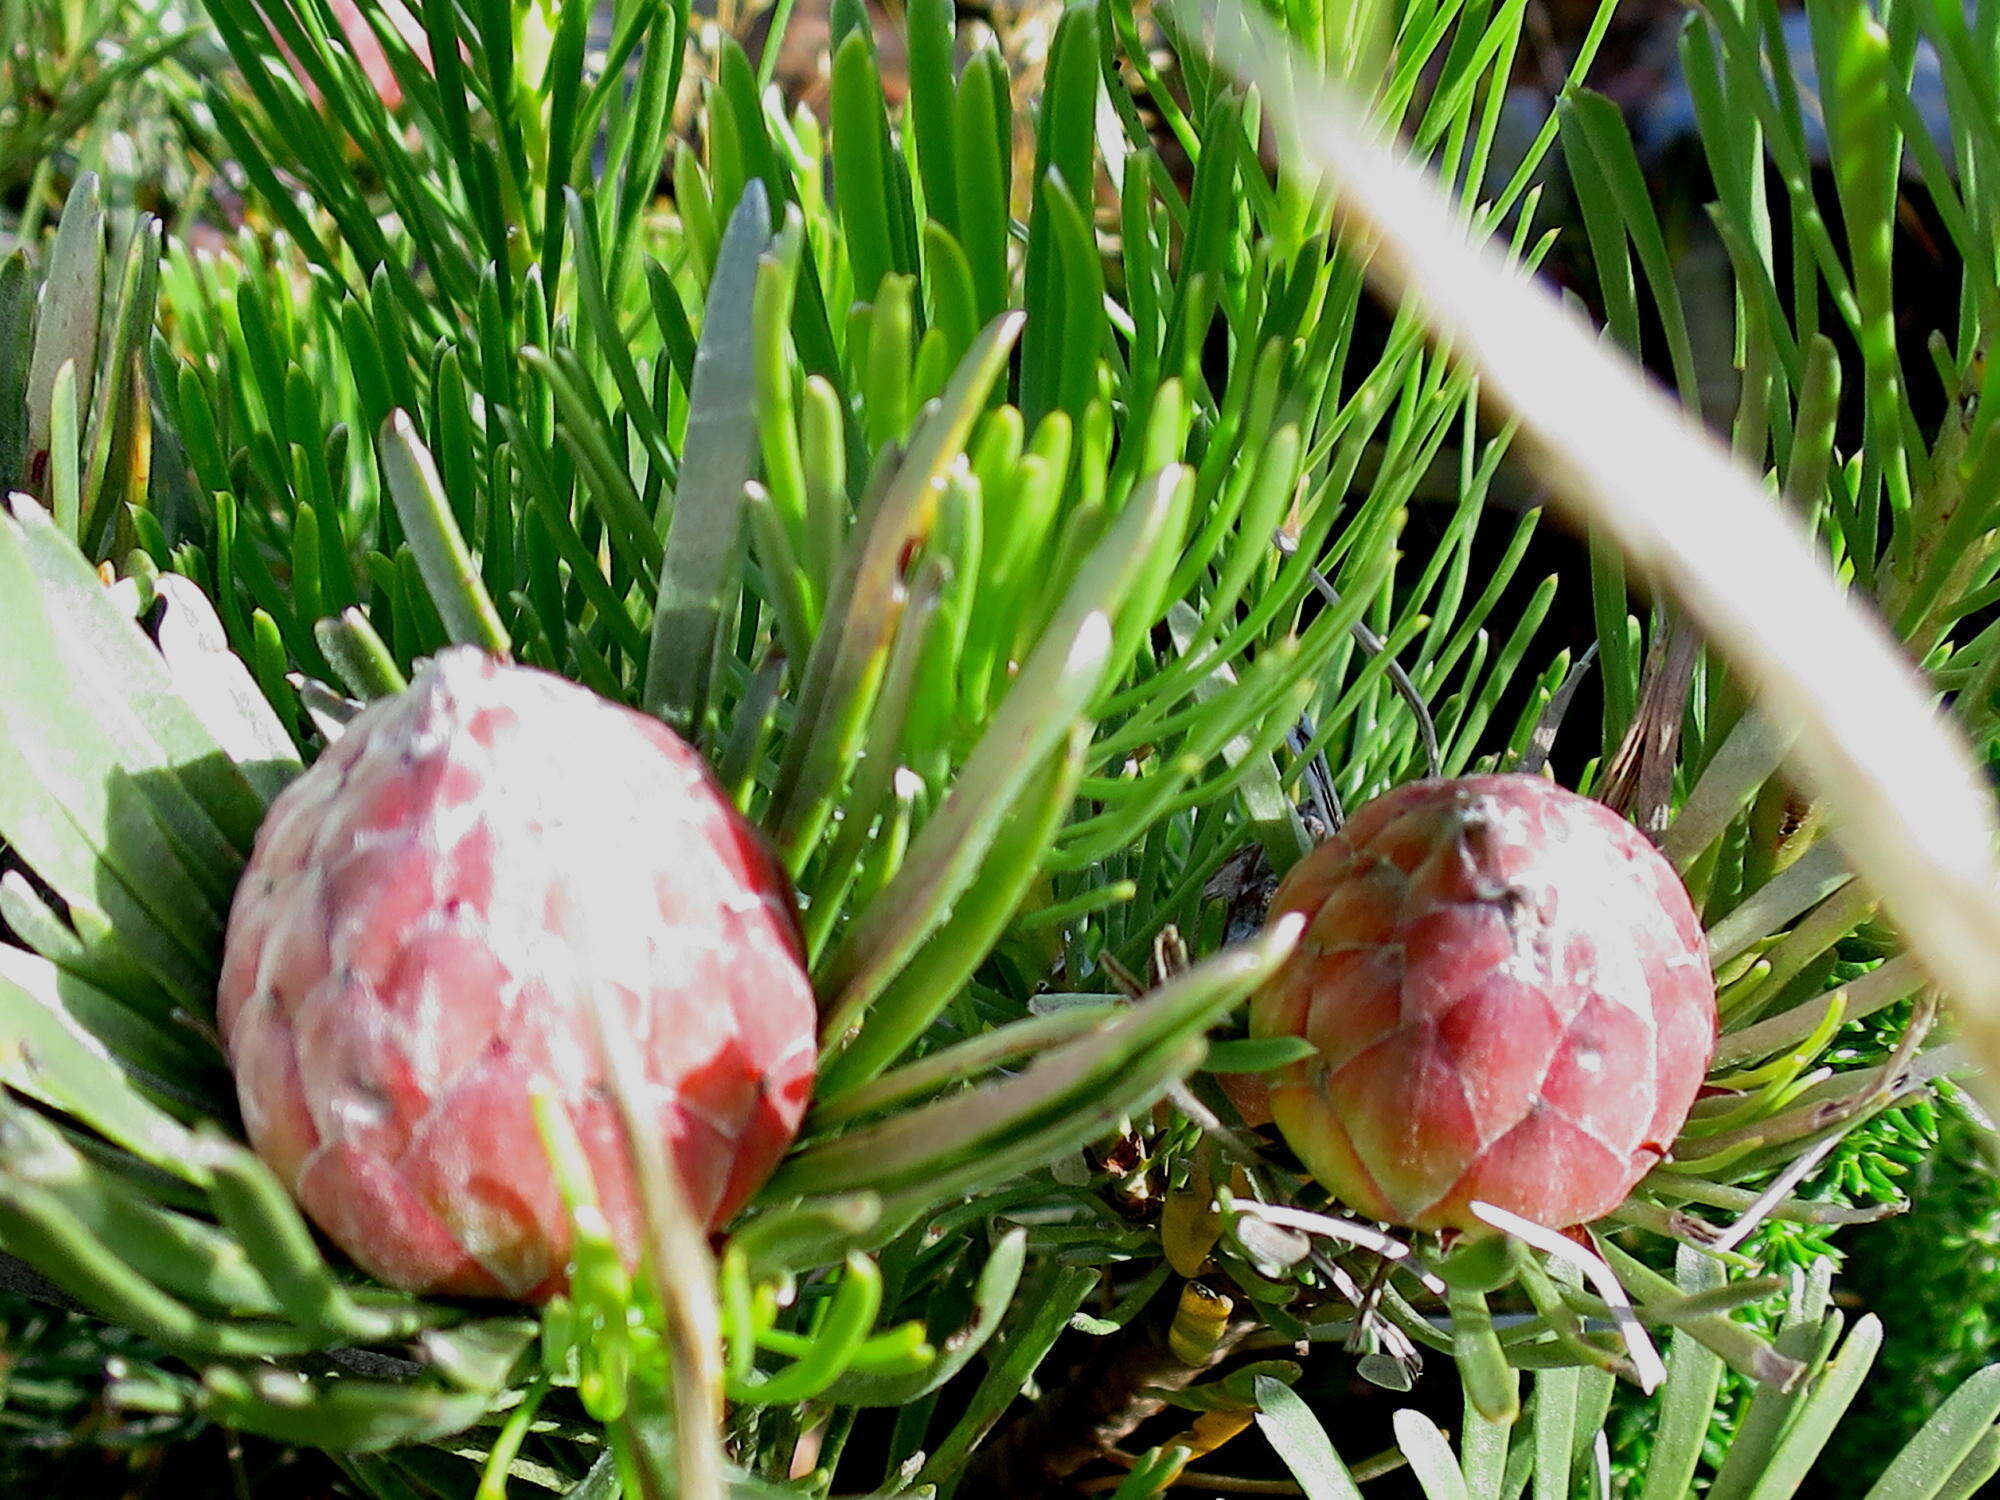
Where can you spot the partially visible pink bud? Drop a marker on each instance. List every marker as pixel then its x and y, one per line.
pixel 359 37
pixel 1511 1001
pixel 415 947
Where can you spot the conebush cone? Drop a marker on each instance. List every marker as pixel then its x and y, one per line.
pixel 1510 1000
pixel 415 948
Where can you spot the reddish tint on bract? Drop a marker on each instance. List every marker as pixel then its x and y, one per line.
pixel 1510 999
pixel 415 946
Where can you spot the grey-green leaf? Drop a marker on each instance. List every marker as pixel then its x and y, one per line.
pixel 72 303
pixel 705 538
pixel 1945 1443
pixel 1290 1427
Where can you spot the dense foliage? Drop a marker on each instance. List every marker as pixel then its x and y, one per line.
pixel 985 445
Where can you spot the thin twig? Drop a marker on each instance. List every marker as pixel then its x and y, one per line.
pixel 1781 1186
pixel 1232 1144
pixel 1374 645
pixel 1318 776
pixel 1542 742
pixel 1225 1484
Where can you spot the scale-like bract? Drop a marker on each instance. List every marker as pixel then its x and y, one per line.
pixel 1509 998
pixel 435 919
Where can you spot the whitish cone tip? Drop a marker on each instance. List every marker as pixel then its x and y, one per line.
pixel 461 675
pixel 559 723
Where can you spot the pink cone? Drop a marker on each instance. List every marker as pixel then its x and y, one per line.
pixel 415 946
pixel 1511 1001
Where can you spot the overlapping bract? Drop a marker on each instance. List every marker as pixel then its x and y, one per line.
pixel 1510 1000
pixel 434 918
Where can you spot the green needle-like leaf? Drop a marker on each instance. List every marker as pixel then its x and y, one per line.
pixel 47 1052
pixel 1687 1400
pixel 346 1414
pixel 449 573
pixel 17 344
pixel 850 651
pixel 1430 1456
pixel 1058 681
pixel 1136 1053
pixel 992 1296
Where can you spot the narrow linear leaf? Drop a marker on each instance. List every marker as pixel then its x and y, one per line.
pixel 66 331
pixel 1295 1433
pixel 1430 1456
pixel 450 575
pixel 1060 678
pixel 920 1145
pixel 705 537
pixel 1945 1443
pixel 991 1297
